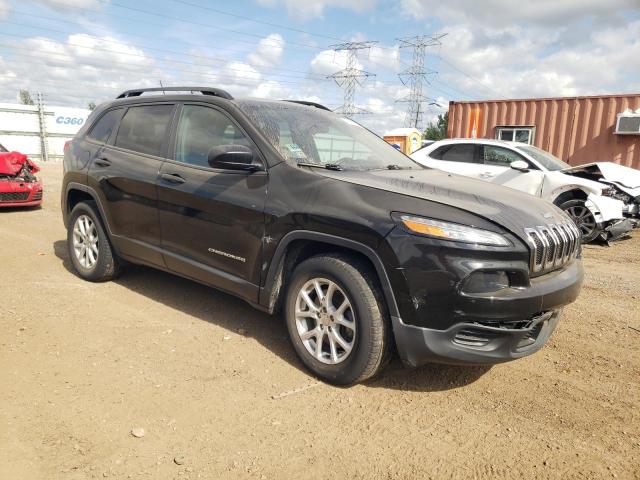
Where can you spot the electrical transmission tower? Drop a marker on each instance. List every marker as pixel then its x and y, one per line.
pixel 416 75
pixel 351 76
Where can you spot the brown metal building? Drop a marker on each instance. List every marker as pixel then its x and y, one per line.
pixel 576 129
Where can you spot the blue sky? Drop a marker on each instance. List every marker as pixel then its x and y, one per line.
pixel 76 51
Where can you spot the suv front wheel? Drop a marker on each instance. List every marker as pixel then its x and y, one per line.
pixel 88 244
pixel 336 319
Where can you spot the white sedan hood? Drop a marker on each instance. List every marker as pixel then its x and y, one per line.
pixel 625 178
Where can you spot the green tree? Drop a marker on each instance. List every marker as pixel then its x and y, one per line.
pixel 25 98
pixel 437 130
pixel 91 106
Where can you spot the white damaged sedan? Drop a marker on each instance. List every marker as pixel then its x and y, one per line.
pixel 602 199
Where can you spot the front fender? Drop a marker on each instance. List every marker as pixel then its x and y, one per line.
pixel 271 280
pixel 558 183
pixel 604 209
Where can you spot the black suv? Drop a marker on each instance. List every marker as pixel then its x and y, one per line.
pixel 294 208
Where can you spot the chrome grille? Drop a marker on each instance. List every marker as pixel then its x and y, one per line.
pixel 552 245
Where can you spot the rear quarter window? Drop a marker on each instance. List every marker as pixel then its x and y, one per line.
pixel 101 130
pixel 145 129
pixel 458 152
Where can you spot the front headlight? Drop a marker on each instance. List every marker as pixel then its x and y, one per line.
pixel 451 231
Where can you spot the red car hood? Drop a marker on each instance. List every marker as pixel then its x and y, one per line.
pixel 12 162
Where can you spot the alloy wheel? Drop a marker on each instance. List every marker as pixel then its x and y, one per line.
pixel 85 241
pixel 583 219
pixel 325 321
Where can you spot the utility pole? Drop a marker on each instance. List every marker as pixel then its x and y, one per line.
pixel 44 147
pixel 351 76
pixel 416 75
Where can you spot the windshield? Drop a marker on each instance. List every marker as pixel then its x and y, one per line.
pixel 313 136
pixel 548 161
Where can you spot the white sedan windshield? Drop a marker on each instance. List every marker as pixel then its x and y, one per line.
pixel 548 161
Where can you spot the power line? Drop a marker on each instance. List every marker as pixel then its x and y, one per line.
pixel 416 75
pixel 148 47
pixel 168 17
pixel 206 25
pixel 200 24
pixel 131 54
pixel 486 87
pixel 350 77
pixel 109 67
pixel 243 17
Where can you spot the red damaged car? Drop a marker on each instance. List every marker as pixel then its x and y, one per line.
pixel 19 187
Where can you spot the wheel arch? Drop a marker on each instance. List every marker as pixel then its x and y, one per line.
pixel 573 194
pixel 76 193
pixel 299 245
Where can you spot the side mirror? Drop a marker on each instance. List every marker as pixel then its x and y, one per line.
pixel 520 165
pixel 233 157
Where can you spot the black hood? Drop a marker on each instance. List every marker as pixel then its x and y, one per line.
pixel 505 206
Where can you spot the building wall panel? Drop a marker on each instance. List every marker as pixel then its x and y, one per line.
pixel 577 129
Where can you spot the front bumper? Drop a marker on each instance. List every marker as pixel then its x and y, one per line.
pixel 20 194
pixel 491 340
pixel 619 229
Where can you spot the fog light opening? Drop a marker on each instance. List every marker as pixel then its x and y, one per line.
pixel 486 282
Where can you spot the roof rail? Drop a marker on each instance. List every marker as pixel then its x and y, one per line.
pixel 310 104
pixel 216 92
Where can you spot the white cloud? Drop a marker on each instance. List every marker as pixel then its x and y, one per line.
pixel 268 52
pixel 71 4
pixel 271 89
pixel 4 9
pixel 240 74
pixel 504 12
pixel 383 57
pixel 522 63
pixel 311 9
pixel 329 61
pixel 68 73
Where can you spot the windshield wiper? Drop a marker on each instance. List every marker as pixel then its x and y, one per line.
pixel 326 166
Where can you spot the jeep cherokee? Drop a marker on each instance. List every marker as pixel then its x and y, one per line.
pixel 296 209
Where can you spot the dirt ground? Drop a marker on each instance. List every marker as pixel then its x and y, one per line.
pixel 219 392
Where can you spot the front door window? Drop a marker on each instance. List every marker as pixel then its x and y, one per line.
pixel 202 128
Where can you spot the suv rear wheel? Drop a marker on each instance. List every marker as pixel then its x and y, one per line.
pixel 336 320
pixel 88 244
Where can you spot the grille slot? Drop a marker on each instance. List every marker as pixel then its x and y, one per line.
pixel 14 196
pixel 37 195
pixel 552 245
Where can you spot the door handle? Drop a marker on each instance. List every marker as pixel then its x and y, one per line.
pixel 172 178
pixel 103 162
pixel 486 175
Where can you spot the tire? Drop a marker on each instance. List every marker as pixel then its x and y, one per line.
pixel 583 218
pixel 363 325
pixel 85 228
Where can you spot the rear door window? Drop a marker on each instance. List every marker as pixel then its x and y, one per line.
pixel 145 129
pixel 459 152
pixel 101 130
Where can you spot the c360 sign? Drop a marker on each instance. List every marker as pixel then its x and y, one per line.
pixel 69 120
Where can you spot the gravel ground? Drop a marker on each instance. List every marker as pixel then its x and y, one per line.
pixel 153 376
